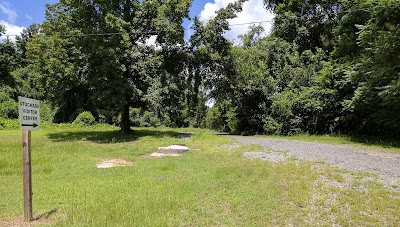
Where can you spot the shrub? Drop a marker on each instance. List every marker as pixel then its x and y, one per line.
pixel 213 119
pixel 47 112
pixel 271 126
pixel 9 124
pixel 8 106
pixel 149 119
pixel 247 133
pixel 134 116
pixel 166 121
pixel 85 118
pixel 75 114
pixel 232 121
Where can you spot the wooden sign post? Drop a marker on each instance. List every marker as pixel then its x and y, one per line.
pixel 27 174
pixel 29 118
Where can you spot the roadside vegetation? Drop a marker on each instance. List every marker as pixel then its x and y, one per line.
pixel 211 185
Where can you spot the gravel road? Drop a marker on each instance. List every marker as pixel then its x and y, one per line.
pixel 385 165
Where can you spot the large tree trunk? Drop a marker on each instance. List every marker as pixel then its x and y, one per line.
pixel 196 89
pixel 125 123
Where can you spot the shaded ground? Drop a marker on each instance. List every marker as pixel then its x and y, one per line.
pixel 385 165
pixel 41 219
pixel 114 136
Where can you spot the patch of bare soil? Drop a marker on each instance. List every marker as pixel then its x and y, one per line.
pixel 38 219
pixel 113 162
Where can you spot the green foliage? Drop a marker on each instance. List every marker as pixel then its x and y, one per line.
pixel 149 119
pixel 85 119
pixel 213 119
pixel 103 72
pixel 47 112
pixel 271 126
pixel 232 121
pixel 134 116
pixel 365 68
pixel 9 123
pixel 327 66
pixel 10 59
pixel 8 106
pixel 308 24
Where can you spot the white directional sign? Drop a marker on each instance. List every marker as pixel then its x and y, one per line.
pixel 29 114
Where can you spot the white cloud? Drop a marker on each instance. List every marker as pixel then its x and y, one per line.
pixel 11 30
pixel 253 11
pixel 5 7
pixel 28 17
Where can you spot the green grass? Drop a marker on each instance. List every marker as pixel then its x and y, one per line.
pixel 382 143
pixel 212 186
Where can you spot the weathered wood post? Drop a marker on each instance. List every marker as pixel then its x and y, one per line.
pixel 27 174
pixel 29 119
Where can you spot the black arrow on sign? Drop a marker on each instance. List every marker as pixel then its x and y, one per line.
pixel 32 125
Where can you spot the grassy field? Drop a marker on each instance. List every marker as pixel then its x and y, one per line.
pixel 211 186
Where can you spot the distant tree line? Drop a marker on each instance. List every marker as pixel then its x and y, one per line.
pixel 328 66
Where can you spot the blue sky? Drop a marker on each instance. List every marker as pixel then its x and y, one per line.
pixel 23 12
pixel 16 14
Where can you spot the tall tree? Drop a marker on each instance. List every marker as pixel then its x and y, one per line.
pixel 308 23
pixel 366 67
pixel 211 50
pixel 9 61
pixel 113 66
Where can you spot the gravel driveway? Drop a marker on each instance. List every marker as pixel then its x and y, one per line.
pixel 386 165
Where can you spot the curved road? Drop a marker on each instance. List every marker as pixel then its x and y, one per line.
pixel 386 165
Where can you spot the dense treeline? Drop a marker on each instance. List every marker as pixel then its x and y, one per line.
pixel 328 66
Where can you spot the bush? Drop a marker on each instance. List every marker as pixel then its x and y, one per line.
pixel 8 106
pixel 134 117
pixel 85 118
pixel 247 133
pixel 111 117
pixel 149 119
pixel 213 119
pixel 47 112
pixel 9 124
pixel 75 114
pixel 166 121
pixel 271 126
pixel 232 121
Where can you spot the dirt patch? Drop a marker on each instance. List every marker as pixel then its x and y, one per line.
pixel 38 219
pixel 113 162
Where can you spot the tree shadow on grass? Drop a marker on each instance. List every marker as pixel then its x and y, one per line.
pixel 45 215
pixel 110 136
